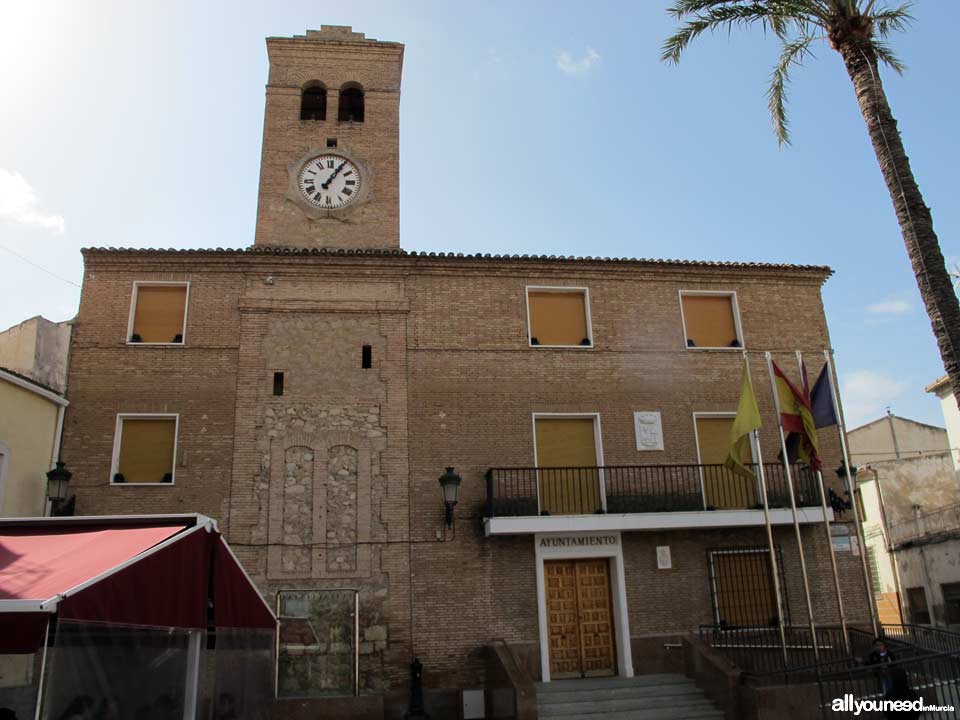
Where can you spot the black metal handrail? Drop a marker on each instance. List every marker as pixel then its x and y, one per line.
pixel 933 678
pixel 524 491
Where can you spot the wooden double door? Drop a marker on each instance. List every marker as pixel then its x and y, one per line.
pixel 579 618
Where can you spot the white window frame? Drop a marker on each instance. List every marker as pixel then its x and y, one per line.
pixel 734 305
pixel 137 284
pixel 118 438
pixel 597 446
pixel 696 440
pixel 585 291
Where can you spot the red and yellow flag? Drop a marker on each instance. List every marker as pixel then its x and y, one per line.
pixel 796 416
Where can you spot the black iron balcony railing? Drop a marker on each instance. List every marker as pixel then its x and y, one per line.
pixel 527 491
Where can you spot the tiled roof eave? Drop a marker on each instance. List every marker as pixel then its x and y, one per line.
pixel 279 251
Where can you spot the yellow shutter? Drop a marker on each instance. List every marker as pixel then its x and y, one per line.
pixel 568 443
pixel 159 313
pixel 558 318
pixel 723 488
pixel 709 320
pixel 744 588
pixel 146 449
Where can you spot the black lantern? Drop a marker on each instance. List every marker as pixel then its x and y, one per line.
pixel 842 472
pixel 450 484
pixel 57 481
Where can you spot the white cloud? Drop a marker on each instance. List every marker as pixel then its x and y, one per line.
pixel 20 204
pixel 892 306
pixel 866 394
pixel 580 66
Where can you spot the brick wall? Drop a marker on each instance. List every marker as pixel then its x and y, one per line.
pixel 453 382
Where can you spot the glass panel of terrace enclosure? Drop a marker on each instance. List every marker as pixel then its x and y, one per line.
pixel 723 488
pixel 318 652
pixel 569 482
pixel 744 588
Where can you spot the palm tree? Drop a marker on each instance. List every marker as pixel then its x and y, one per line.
pixel 857 29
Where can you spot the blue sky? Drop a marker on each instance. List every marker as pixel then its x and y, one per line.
pixel 525 128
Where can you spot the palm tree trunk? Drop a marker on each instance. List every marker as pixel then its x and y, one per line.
pixel 916 223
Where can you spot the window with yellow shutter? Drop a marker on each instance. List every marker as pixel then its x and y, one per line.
pixel 559 317
pixel 159 313
pixel 145 449
pixel 710 320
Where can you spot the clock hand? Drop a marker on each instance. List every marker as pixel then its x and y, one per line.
pixel 335 173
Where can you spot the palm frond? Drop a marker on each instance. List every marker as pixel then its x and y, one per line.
pixel 713 18
pixel 886 55
pixel 793 53
pixel 889 21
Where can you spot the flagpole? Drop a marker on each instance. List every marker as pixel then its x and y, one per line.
pixel 842 430
pixel 793 508
pixel 826 525
pixel 777 593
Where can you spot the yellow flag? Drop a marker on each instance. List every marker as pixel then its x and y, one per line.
pixel 747 420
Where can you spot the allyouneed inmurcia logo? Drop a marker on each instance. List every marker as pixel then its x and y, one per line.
pixel 850 704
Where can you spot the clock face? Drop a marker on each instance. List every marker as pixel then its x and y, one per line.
pixel 329 181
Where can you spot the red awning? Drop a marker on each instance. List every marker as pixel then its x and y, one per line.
pixel 39 563
pixel 159 575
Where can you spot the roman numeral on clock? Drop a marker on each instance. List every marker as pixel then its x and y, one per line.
pixel 351 182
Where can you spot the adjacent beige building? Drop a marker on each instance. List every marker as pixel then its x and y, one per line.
pixel 31 422
pixel 38 349
pixel 906 471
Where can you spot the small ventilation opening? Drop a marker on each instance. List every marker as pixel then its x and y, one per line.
pixel 278 383
pixel 366 361
pixel 331 142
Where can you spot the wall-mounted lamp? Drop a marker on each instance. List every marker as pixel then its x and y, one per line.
pixel 450 484
pixel 57 481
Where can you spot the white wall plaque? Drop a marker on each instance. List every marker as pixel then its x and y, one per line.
pixel 649 430
pixel 663 557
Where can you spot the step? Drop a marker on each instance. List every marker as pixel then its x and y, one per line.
pixel 658 679
pixel 678 693
pixel 578 709
pixel 651 714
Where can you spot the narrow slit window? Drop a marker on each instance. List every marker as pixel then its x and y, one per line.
pixel 558 318
pixel 366 357
pixel 146 452
pixel 278 383
pixel 710 321
pixel 159 314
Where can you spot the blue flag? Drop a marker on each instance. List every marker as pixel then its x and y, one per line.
pixel 821 400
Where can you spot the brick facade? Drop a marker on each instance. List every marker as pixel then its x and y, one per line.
pixel 334 483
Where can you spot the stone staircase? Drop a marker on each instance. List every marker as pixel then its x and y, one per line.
pixel 645 697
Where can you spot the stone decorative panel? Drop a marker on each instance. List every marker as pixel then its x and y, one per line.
pixel 297 522
pixel 321 469
pixel 341 508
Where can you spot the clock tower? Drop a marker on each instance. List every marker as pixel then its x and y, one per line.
pixel 330 167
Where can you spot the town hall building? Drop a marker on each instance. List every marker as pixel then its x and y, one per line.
pixel 308 393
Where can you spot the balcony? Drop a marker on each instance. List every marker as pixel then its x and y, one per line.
pixel 924 528
pixel 642 497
